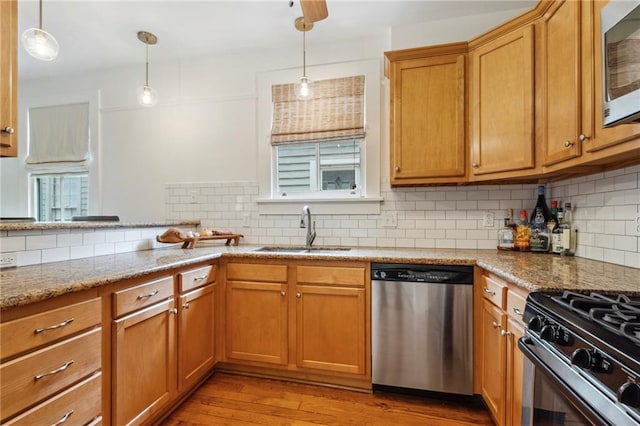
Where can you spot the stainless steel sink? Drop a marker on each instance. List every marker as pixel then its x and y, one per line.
pixel 302 249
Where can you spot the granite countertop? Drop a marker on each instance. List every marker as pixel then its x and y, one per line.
pixel 534 272
pixel 30 226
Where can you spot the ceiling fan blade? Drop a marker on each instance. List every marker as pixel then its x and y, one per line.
pixel 314 10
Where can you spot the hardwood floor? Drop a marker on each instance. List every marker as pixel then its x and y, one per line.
pixel 227 399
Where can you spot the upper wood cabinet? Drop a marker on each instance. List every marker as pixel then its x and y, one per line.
pixel 428 114
pixel 502 106
pixel 8 78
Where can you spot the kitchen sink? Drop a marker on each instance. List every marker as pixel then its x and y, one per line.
pixel 302 249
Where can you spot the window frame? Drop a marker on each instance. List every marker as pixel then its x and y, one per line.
pixel 62 175
pixel 368 200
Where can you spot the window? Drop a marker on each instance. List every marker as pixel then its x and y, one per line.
pixel 60 197
pixel 314 167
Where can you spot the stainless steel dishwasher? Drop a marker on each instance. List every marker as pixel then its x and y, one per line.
pixel 422 327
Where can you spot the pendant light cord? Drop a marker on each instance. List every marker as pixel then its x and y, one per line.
pixel 304 50
pixel 40 19
pixel 146 80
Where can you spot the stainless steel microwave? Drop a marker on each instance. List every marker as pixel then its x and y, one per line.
pixel 621 62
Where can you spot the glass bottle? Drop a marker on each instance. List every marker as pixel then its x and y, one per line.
pixel 523 233
pixel 570 243
pixel 507 234
pixel 559 235
pixel 541 204
pixel 539 233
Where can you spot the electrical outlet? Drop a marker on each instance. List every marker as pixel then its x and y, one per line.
pixel 246 219
pixel 8 261
pixel 487 220
pixel 636 225
pixel 390 219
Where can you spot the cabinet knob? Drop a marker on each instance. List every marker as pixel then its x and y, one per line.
pixel 475 165
pixel 584 137
pixel 298 295
pixel 505 333
pixel 186 305
pixel 8 129
pixel 283 293
pixel 496 325
pixel 568 143
pixel 173 311
pixel 397 168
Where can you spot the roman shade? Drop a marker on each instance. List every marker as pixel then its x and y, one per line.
pixel 59 137
pixel 336 111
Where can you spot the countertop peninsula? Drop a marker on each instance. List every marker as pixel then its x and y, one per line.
pixel 32 226
pixel 535 272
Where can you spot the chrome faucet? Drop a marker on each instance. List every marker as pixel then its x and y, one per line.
pixel 311 233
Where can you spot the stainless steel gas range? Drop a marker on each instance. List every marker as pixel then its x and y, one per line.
pixel 582 361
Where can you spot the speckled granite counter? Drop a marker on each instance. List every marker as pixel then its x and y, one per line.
pixel 30 226
pixel 29 284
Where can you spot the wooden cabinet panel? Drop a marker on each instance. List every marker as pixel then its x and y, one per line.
pixel 515 364
pixel 144 363
pixel 493 365
pixel 330 275
pixel 330 324
pixel 38 375
pixel 257 272
pixel 428 120
pixel 195 278
pixel 39 329
pixel 562 82
pixel 257 321
pixel 494 290
pixel 515 304
pixel 196 338
pixel 80 405
pixel 502 130
pixel 146 294
pixel 8 78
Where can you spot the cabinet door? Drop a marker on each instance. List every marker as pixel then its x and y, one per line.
pixel 515 362
pixel 493 365
pixel 8 78
pixel 196 337
pixel 257 322
pixel 330 328
pixel 562 82
pixel 428 120
pixel 502 105
pixel 144 363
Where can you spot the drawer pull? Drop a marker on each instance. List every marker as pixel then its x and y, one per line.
pixel 200 278
pixel 496 325
pixel 52 372
pixel 64 418
pixel 517 311
pixel 146 296
pixel 505 333
pixel 489 291
pixel 53 327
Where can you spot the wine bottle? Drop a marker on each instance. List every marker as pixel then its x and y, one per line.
pixel 542 204
pixel 539 233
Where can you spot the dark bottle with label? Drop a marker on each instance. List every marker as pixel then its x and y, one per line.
pixel 541 204
pixel 539 233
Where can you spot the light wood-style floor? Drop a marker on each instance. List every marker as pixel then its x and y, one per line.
pixel 227 399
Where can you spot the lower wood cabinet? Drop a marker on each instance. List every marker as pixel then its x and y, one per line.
pixel 306 317
pixel 501 307
pixel 144 363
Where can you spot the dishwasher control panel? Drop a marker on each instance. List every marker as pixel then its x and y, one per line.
pixel 452 274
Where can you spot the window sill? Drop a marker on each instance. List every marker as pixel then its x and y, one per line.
pixel 320 205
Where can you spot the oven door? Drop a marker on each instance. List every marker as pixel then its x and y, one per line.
pixel 555 393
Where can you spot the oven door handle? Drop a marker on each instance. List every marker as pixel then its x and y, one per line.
pixel 527 346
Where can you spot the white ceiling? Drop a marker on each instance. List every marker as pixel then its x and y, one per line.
pixel 102 34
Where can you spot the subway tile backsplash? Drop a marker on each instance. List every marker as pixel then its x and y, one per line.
pixel 605 207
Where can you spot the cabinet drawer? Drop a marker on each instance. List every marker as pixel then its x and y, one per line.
pixel 515 305
pixel 494 290
pixel 197 277
pixel 257 272
pixel 330 275
pixel 36 330
pixel 80 405
pixel 142 295
pixel 38 375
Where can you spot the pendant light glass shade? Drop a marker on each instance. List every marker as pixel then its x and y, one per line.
pixel 39 43
pixel 303 88
pixel 147 95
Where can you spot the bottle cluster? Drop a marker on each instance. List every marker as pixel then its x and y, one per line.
pixel 545 230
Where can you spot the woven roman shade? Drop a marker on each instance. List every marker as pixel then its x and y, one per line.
pixel 336 111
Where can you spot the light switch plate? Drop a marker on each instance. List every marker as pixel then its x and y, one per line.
pixel 390 219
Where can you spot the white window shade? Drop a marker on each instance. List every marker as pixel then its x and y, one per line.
pixel 59 138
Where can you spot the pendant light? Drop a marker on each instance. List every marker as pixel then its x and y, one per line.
pixel 147 95
pixel 39 43
pixel 304 88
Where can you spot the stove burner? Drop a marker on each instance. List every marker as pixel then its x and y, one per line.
pixel 619 314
